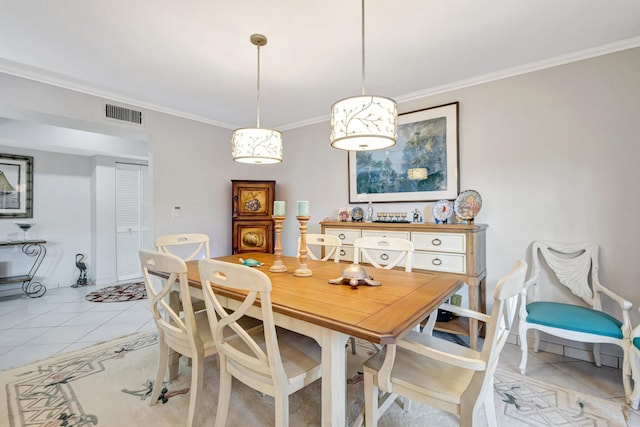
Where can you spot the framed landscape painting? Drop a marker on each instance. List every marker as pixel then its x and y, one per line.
pixel 422 166
pixel 16 186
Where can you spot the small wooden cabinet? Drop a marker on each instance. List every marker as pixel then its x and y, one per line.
pixel 252 204
pixel 457 249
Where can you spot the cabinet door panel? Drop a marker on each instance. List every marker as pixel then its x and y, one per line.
pixel 253 236
pixel 253 199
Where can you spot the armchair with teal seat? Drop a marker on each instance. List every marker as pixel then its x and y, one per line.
pixel 574 273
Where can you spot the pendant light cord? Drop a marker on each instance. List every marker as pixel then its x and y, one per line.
pixel 363 47
pixel 258 91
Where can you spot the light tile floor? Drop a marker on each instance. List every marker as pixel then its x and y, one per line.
pixel 63 320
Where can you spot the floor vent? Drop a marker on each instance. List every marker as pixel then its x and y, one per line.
pixel 121 113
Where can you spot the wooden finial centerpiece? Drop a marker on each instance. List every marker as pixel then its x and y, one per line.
pixel 303 270
pixel 278 266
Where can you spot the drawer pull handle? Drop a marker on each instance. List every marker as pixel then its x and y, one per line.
pixel 342 252
pixel 384 257
pixel 436 242
pixel 342 236
pixel 436 261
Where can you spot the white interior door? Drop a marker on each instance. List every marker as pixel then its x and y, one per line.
pixel 133 215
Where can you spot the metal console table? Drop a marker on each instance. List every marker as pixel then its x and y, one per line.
pixel 35 249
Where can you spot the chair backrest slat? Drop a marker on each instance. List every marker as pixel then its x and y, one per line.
pixel 188 246
pixel 572 265
pixel 329 242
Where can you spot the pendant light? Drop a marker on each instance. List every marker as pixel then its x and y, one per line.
pixel 257 145
pixel 365 122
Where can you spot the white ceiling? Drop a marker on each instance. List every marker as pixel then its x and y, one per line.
pixel 193 58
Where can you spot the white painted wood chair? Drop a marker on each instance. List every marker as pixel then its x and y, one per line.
pixel 632 368
pixel 573 270
pixel 330 243
pixel 271 360
pixel 384 252
pixel 188 246
pixel 441 373
pixel 187 333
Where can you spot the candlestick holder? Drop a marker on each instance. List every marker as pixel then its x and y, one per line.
pixel 303 270
pixel 278 266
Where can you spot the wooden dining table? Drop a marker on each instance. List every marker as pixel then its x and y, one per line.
pixel 331 313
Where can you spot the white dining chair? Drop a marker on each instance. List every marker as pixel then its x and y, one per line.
pixel 271 360
pixel 330 243
pixel 183 331
pixel 577 315
pixel 440 373
pixel 384 252
pixel 188 246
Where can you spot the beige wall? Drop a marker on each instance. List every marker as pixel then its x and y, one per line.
pixel 553 154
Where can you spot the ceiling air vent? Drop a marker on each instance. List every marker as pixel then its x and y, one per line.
pixel 125 114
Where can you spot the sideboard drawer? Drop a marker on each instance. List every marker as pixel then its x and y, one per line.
pixel 439 261
pixel 382 257
pixel 441 242
pixel 347 236
pixel 394 234
pixel 346 253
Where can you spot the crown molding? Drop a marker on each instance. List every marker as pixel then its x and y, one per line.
pixel 42 76
pixel 531 67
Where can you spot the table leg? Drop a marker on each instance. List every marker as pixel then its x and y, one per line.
pixel 477 303
pixel 334 378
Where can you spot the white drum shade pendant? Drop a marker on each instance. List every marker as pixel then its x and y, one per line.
pixel 364 122
pixel 257 145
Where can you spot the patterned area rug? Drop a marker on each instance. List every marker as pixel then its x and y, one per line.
pixel 109 385
pixel 119 293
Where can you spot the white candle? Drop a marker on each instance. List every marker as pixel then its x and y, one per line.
pixel 303 208
pixel 278 208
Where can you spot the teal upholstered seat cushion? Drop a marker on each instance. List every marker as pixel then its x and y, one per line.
pixel 636 343
pixel 573 318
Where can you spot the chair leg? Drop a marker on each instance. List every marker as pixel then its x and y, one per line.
pixel 596 354
pixel 224 395
pixel 163 359
pixel 282 409
pixel 536 340
pixel 631 368
pixel 466 418
pixel 370 401
pixel 197 373
pixel 353 344
pixel 525 350
pixel 490 407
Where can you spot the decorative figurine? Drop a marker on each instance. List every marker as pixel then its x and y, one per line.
pixel 344 214
pixel 417 216
pixel 82 279
pixel 357 214
pixel 250 262
pixel 369 213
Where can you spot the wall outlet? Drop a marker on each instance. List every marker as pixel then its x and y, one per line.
pixel 176 212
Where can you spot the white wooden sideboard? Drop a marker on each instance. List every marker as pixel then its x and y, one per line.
pixel 456 249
